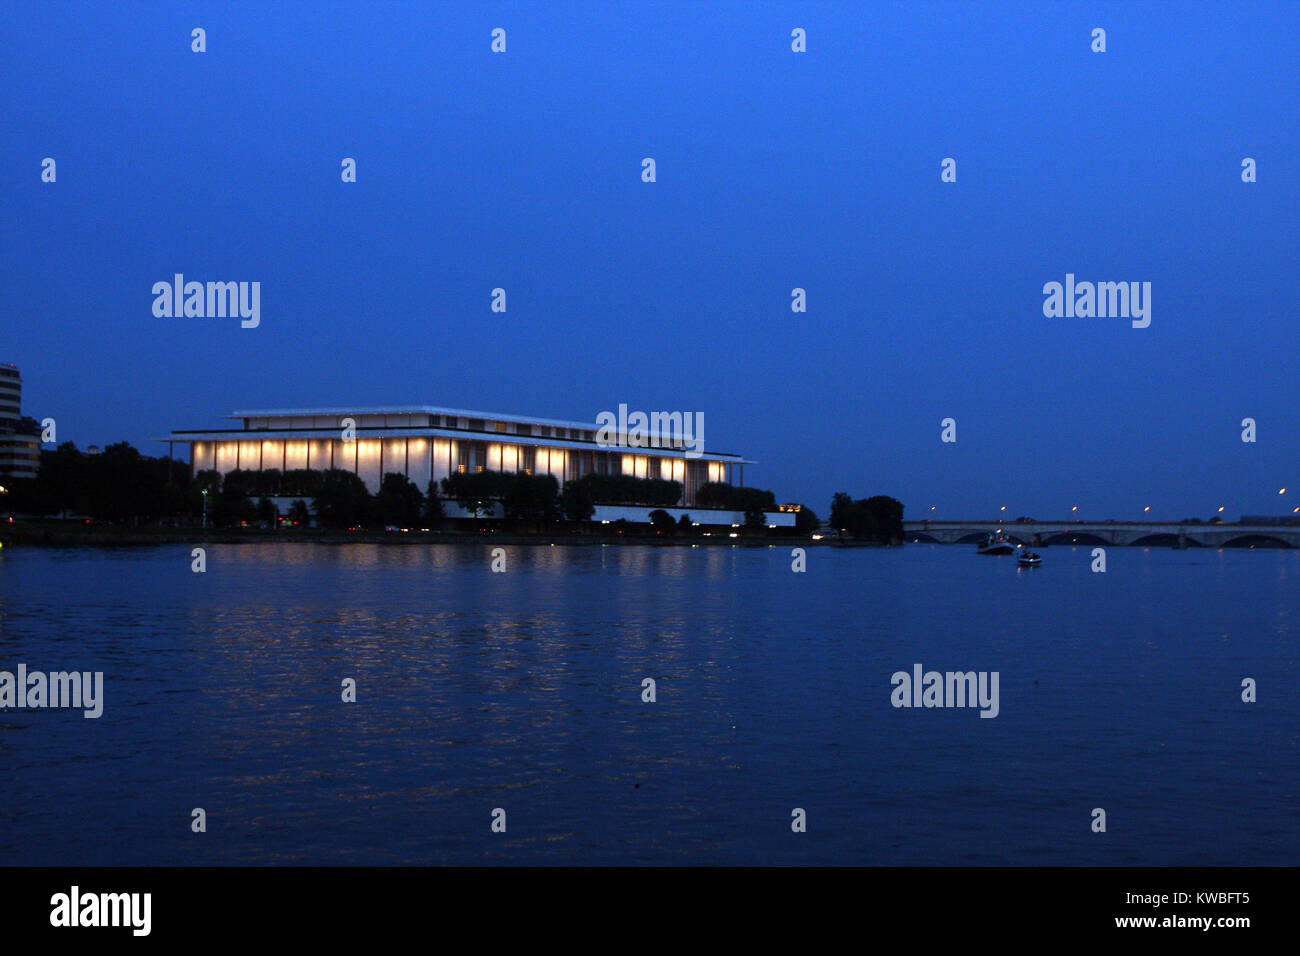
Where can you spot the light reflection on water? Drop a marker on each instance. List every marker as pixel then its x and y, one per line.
pixel 523 690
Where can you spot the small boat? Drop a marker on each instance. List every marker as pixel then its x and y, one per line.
pixel 1029 559
pixel 997 544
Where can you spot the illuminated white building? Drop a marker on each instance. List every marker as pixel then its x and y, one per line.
pixel 425 443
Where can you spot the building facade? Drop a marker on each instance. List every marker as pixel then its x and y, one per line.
pixel 428 443
pixel 20 438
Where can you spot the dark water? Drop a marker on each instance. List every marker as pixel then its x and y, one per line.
pixel 522 691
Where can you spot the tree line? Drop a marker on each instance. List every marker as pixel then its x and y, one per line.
pixel 122 486
pixel 878 518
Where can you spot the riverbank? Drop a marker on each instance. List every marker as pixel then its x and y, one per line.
pixel 69 535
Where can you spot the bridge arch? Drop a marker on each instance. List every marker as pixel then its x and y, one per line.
pixel 1164 539
pixel 1255 541
pixel 1074 537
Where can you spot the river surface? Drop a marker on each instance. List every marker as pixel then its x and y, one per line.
pixel 523 691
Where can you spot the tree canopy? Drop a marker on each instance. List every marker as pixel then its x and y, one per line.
pixel 878 518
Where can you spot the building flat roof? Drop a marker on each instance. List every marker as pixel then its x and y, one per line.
pixel 407 410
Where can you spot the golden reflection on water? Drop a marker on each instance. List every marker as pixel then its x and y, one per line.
pixel 417 624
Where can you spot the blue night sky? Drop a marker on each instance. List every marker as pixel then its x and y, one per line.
pixel 775 170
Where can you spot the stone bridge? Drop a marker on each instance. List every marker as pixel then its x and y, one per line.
pixel 1144 533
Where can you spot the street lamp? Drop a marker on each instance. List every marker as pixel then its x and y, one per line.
pixel 205 508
